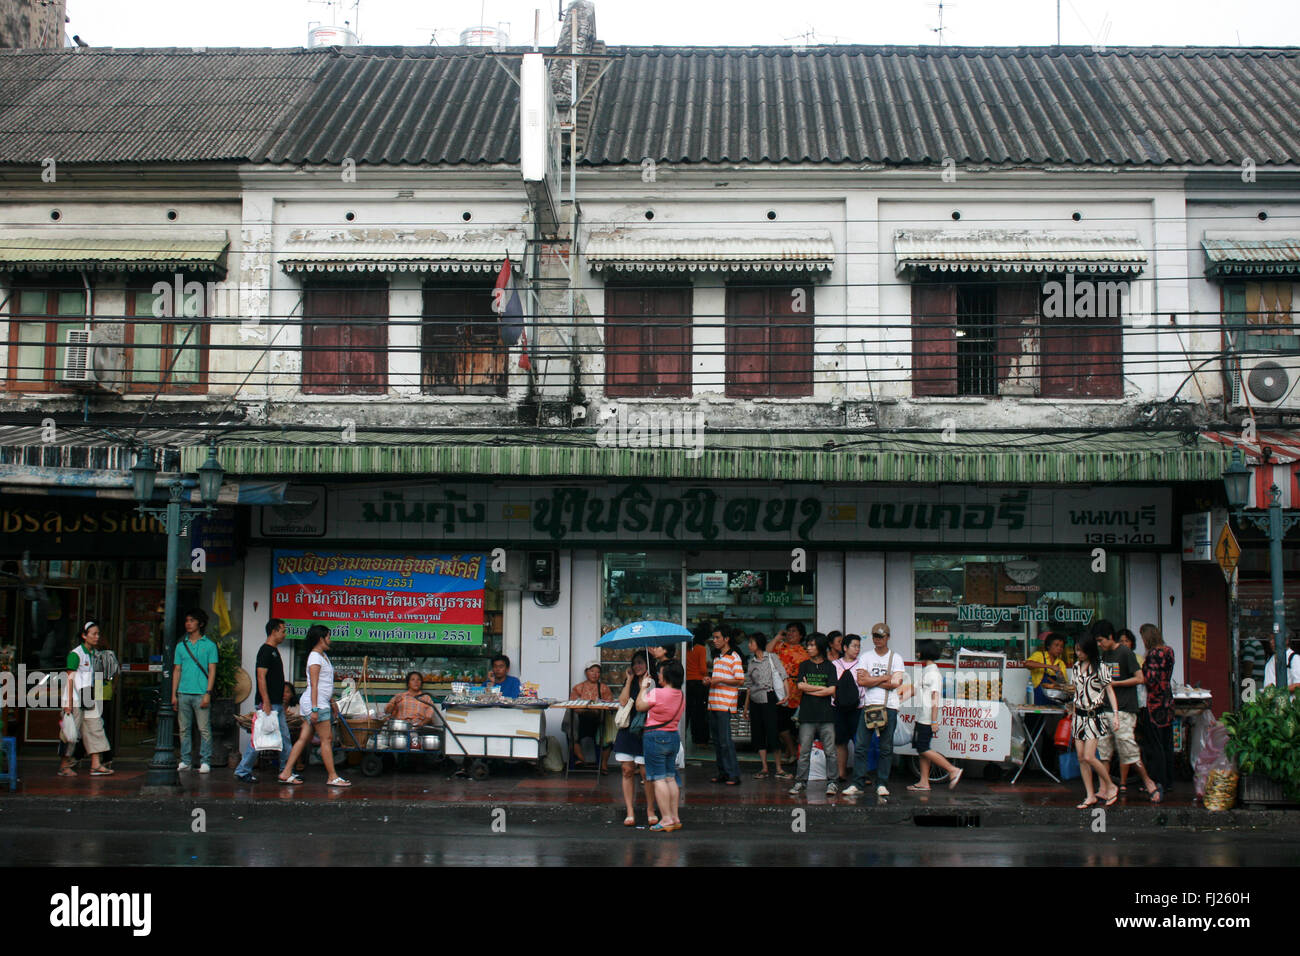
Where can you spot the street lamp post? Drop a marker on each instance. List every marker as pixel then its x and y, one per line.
pixel 1274 523
pixel 176 520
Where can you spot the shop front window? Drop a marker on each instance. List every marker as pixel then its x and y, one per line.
pixel 636 586
pixel 1003 602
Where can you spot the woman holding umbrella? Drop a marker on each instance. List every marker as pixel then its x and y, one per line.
pixel 627 746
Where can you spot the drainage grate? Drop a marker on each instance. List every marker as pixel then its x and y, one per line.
pixel 967 820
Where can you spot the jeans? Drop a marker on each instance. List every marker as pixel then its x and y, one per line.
pixel 697 711
pixel 660 748
pixel 250 757
pixel 188 713
pixel 807 731
pixel 723 745
pixel 864 746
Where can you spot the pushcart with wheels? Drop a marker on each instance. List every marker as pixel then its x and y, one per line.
pixel 484 733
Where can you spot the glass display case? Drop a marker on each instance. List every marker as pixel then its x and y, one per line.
pixel 1001 603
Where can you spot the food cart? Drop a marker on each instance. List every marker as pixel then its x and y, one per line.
pixel 487 727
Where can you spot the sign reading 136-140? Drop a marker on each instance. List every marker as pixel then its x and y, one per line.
pixel 381 597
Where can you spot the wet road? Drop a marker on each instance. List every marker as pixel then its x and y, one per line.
pixel 79 840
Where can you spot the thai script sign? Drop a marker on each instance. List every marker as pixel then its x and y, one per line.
pixel 635 512
pixel 381 597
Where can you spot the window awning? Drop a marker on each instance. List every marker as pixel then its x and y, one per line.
pixel 1005 458
pixel 1008 250
pixel 1251 257
pixel 1272 459
pixel 403 250
pixel 22 251
pixel 633 251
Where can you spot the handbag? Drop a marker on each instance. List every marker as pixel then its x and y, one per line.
pixel 778 682
pixel 875 716
pixel 623 716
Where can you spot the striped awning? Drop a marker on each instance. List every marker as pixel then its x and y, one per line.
pixel 927 457
pixel 402 250
pixel 29 251
pixel 1251 256
pixel 1271 457
pixel 1009 250
pixel 644 251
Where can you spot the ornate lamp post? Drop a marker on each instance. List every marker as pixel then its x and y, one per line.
pixel 176 520
pixel 1236 482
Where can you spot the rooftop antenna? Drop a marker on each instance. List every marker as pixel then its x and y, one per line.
pixel 940 28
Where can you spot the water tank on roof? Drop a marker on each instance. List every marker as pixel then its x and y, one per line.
pixel 329 35
pixel 484 36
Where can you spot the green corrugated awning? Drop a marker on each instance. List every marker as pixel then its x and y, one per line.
pixel 1162 456
pixel 1252 257
pixel 22 252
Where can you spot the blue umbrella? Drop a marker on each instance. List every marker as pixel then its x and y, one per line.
pixel 645 634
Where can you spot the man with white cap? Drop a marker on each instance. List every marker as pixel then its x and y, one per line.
pixel 589 720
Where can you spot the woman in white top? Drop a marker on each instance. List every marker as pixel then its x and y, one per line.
pixel 931 701
pixel 82 705
pixel 318 708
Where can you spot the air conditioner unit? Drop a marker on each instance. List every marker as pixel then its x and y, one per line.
pixel 1270 382
pixel 76 358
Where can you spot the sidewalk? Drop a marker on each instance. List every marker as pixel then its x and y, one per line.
pixel 434 793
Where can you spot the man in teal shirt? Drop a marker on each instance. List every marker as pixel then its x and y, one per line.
pixel 194 671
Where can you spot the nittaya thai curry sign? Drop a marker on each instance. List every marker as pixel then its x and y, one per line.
pixel 684 512
pixel 1024 613
pixel 381 598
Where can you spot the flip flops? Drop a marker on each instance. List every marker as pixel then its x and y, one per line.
pixel 338 782
pixel 293 780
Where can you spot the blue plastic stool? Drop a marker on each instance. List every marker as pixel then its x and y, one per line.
pixel 10 747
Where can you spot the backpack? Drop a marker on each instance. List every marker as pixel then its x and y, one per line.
pixel 846 689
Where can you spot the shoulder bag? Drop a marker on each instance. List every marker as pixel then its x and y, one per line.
pixel 778 682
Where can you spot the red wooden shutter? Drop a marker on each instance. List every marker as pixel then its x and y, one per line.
pixel 790 341
pixel 461 347
pixel 648 341
pixel 1017 323
pixel 747 341
pixel 322 340
pixel 1084 357
pixel 934 340
pixel 366 362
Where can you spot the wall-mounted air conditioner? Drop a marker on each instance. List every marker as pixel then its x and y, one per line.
pixel 76 358
pixel 1268 383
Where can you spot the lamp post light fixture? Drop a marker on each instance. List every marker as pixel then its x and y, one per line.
pixel 1274 523
pixel 176 519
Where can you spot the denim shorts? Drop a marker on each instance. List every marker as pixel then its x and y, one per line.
pixel 660 748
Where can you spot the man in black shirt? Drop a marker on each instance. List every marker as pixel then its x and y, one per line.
pixel 1125 676
pixel 816 679
pixel 272 695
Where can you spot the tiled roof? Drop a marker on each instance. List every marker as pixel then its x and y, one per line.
pixel 922 105
pixel 891 106
pixel 161 105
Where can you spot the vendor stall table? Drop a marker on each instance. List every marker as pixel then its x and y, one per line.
pixel 505 729
pixel 1033 736
pixel 573 707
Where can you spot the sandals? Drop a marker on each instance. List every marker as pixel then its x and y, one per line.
pixel 1156 793
pixel 338 782
pixel 917 788
pixel 762 775
pixel 101 772
pixel 955 777
pixel 784 775
pixel 1113 797
pixel 1090 802
pixel 629 821
pixel 293 780
pixel 652 820
pixel 673 826
pixel 732 783
pixel 67 772
pixel 660 828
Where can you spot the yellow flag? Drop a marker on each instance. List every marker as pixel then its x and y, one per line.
pixel 221 611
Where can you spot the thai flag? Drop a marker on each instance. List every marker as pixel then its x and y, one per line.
pixel 510 312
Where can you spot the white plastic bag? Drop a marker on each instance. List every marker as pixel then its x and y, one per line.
pixel 353 702
pixel 817 764
pixel 68 730
pixel 266 731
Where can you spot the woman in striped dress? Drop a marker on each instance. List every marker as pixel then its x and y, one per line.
pixel 1092 690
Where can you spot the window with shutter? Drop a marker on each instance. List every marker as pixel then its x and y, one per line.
pixel 461 352
pixel 648 341
pixel 769 341
pixel 1083 349
pixel 170 350
pixel 345 339
pixel 43 314
pixel 934 339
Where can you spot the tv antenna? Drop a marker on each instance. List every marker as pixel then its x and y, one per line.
pixel 940 28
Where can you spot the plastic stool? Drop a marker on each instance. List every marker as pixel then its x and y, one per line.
pixel 10 747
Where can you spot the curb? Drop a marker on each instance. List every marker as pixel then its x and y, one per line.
pixel 966 814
